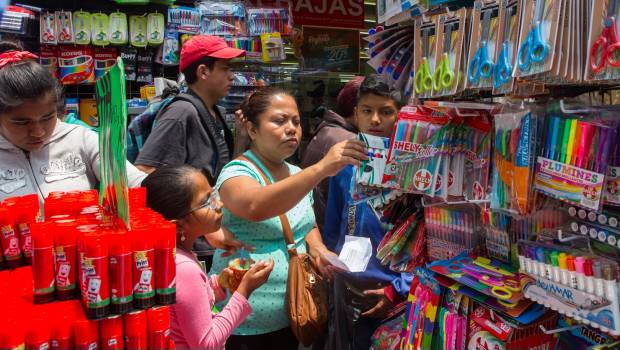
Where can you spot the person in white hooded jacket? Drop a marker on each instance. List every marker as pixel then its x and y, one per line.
pixel 39 153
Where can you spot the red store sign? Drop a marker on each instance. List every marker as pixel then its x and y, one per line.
pixel 325 13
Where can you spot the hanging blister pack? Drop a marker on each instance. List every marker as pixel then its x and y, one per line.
pixel 424 61
pixel 118 28
pixel 477 158
pixel 155 27
pixel 272 47
pixel 602 59
pixel 268 20
pixel 138 31
pixel 184 19
pixel 516 134
pixel 171 48
pixel 482 46
pixel 539 29
pixel 100 28
pixel 505 53
pixel 447 76
pixel 222 18
pixel 48 35
pixel 418 151
pixel 82 25
pixel 64 27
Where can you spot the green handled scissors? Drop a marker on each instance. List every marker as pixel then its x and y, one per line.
pixel 423 77
pixel 444 75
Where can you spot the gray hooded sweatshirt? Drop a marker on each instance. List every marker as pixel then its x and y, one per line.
pixel 69 161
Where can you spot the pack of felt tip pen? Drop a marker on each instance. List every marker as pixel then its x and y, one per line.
pixel 574 282
pixel 574 159
pixel 419 151
pixel 475 158
pixel 612 187
pixel 515 145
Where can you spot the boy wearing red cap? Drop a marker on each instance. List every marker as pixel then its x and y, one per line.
pixel 191 129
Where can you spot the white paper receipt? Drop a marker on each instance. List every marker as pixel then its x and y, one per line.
pixel 356 253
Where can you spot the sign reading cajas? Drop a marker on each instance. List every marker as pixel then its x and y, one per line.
pixel 328 13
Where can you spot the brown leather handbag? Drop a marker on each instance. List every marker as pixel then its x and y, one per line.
pixel 306 291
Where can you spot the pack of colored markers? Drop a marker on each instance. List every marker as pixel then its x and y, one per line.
pixel 470 164
pixel 515 145
pixel 612 188
pixel 451 230
pixel 419 151
pixel 573 282
pixel 574 159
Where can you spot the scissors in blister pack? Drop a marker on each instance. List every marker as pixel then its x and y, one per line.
pixel 444 75
pixel 503 66
pixel 534 49
pixel 423 77
pixel 606 43
pixel 481 65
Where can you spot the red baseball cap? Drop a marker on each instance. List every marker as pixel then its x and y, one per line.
pixel 206 45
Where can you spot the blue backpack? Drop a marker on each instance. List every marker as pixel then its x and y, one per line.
pixel 141 126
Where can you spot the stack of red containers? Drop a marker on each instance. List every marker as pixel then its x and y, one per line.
pixel 119 275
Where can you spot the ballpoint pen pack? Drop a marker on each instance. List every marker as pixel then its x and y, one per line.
pixel 515 144
pixel 484 32
pixel 268 20
pixel 418 151
pixel 602 58
pixel 425 55
pixel 506 50
pixel 184 19
pixel 447 79
pixel 537 39
pixel 574 158
pixel 222 18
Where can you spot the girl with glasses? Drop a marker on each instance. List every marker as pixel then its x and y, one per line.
pixel 183 195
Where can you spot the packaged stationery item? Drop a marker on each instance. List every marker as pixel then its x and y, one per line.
pixel 574 160
pixel 268 20
pixel 505 51
pixel 82 27
pixel 171 48
pixel 601 59
pixel 477 156
pixel 138 31
pixel 424 59
pixel 419 147
pixel 105 58
pixel 539 31
pixel 612 187
pixel 76 65
pixel 515 147
pixel 482 46
pixel 451 230
pixel 155 28
pixel 48 34
pixel 222 18
pixel 184 19
pixel 272 47
pixel 451 31
pixel 64 27
pixel 370 172
pixel 48 58
pixel 100 24
pixel 118 28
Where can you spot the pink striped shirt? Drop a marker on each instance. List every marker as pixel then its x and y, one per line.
pixel 193 325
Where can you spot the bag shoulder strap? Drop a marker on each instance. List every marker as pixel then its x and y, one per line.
pixel 286 226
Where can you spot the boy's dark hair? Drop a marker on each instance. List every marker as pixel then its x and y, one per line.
pixel 170 190
pixel 258 103
pixel 373 84
pixel 22 81
pixel 190 71
pixel 9 45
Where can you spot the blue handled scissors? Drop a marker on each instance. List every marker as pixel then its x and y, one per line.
pixel 481 65
pixel 534 49
pixel 503 67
